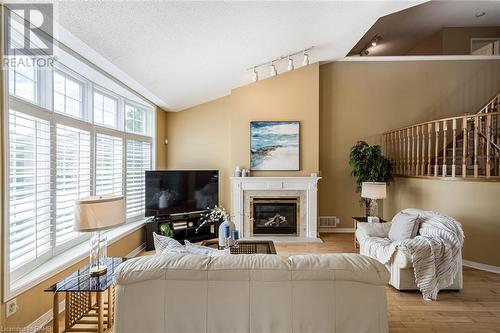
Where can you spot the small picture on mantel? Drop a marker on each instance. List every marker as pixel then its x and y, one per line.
pixel 274 145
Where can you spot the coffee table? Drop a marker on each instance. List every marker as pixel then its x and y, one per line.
pixel 245 246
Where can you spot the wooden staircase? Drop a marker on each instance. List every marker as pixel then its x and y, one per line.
pixel 459 147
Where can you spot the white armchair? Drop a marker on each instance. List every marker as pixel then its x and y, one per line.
pixel 400 266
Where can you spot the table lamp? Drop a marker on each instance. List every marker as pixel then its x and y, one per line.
pixel 95 214
pixel 373 191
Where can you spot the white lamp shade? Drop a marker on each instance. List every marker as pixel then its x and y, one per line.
pixel 98 213
pixel 373 190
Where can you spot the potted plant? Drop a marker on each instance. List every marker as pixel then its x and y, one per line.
pixel 369 165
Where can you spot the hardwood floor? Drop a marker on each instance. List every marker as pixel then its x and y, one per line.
pixel 475 309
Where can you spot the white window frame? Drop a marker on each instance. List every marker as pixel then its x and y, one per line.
pixel 43 109
pixel 147 121
pixel 120 116
pixel 69 74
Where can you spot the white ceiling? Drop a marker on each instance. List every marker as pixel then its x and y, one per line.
pixel 403 30
pixel 181 54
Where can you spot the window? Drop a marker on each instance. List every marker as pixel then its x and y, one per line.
pixel 29 188
pixel 56 154
pixel 138 161
pixel 23 80
pixel 135 119
pixel 109 152
pixel 105 110
pixel 68 95
pixel 72 177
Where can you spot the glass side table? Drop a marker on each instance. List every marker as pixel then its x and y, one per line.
pixel 88 300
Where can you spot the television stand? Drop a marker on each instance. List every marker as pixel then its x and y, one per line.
pixel 184 226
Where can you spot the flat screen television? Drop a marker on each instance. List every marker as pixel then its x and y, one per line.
pixel 171 192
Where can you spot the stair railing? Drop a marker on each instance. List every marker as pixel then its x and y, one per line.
pixel 457 147
pixel 492 106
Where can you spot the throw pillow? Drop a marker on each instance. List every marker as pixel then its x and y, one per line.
pixel 164 244
pixel 198 249
pixel 404 226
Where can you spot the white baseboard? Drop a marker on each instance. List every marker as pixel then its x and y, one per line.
pixel 482 267
pixel 337 230
pixel 44 319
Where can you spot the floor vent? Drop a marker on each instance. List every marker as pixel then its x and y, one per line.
pixel 328 223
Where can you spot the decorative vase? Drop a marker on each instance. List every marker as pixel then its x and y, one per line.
pixel 221 232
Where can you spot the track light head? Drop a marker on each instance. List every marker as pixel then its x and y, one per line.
pixel 255 75
pixel 274 72
pixel 290 64
pixel 374 43
pixel 305 62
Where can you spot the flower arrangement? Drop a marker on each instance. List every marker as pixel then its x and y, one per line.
pixel 215 214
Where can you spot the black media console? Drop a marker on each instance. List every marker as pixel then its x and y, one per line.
pixel 184 227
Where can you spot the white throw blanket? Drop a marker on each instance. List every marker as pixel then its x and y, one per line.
pixel 435 252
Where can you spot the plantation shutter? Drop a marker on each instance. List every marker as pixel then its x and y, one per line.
pixel 29 188
pixel 109 151
pixel 72 177
pixel 138 161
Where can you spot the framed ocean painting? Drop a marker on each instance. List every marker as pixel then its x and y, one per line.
pixel 274 146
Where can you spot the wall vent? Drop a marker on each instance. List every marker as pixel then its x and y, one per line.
pixel 328 223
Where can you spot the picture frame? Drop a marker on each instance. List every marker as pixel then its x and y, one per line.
pixel 274 145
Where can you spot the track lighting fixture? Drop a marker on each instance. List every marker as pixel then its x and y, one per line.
pixel 288 58
pixel 290 64
pixel 372 43
pixel 255 75
pixel 305 62
pixel 274 72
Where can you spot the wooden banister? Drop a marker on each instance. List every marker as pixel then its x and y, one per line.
pixel 456 147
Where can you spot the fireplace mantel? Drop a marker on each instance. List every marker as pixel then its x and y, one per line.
pixel 304 187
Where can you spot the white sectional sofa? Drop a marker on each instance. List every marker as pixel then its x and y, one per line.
pixel 335 293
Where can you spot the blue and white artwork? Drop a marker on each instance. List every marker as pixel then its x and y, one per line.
pixel 274 145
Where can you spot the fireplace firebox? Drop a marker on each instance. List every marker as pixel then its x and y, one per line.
pixel 274 216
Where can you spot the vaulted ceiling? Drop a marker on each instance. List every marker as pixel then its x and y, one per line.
pixel 186 53
pixel 404 29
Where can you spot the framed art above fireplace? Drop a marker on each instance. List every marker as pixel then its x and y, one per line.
pixel 274 145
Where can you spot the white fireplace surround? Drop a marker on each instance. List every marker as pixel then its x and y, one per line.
pixel 306 188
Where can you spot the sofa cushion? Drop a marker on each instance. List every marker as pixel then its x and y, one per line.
pixel 167 266
pixel 164 244
pixel 338 267
pixel 404 226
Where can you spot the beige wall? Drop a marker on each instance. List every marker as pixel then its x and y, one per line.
pixel 456 40
pixel 199 139
pixel 217 134
pixel 360 100
pixel 432 45
pixel 452 40
pixel 474 204
pixel 289 96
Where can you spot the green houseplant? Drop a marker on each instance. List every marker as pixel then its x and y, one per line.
pixel 369 165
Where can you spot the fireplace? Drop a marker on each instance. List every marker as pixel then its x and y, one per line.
pixel 274 216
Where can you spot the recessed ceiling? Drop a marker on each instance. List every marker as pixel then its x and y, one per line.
pixel 187 53
pixel 403 30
